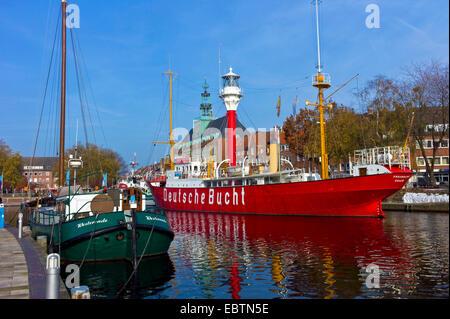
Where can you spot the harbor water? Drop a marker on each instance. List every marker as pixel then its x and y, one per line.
pixel 404 255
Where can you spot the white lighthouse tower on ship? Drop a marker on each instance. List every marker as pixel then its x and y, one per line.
pixel 231 94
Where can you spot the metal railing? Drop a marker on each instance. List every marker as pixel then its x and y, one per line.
pixel 387 155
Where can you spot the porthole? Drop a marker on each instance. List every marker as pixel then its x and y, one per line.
pixel 120 236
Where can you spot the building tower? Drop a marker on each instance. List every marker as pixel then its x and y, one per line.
pixel 205 107
pixel 231 95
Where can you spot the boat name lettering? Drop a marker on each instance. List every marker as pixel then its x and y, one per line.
pixel 104 220
pixel 207 196
pixel 150 218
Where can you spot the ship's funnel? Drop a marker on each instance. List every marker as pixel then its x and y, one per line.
pixel 274 150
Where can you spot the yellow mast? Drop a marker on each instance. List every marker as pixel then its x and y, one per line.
pixel 171 141
pixel 321 81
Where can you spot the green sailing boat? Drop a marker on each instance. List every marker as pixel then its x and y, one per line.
pixel 101 225
pixel 109 224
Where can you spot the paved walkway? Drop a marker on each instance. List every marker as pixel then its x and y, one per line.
pixel 13 268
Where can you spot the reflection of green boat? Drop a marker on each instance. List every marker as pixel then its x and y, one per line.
pixel 106 279
pixel 98 226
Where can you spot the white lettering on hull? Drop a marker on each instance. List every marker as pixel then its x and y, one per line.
pixel 209 196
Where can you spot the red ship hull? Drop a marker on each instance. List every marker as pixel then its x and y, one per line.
pixel 353 196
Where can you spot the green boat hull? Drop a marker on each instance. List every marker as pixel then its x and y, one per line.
pixel 106 236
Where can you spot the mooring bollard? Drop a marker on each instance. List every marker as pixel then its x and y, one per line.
pixel 52 283
pixel 20 224
pixel 80 292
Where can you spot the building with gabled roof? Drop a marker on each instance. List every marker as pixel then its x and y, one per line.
pixel 38 171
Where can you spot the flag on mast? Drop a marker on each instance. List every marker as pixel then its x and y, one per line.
pixel 278 106
pixel 294 105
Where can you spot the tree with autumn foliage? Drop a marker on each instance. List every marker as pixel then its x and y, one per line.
pixel 427 95
pixel 95 159
pixel 10 164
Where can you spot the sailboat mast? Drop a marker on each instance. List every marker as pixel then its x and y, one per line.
pixel 63 95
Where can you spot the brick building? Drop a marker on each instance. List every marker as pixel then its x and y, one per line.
pixel 38 170
pixel 441 159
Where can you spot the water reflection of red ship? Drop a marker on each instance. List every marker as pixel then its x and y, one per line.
pixel 300 252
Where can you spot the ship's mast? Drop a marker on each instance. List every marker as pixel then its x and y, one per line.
pixel 321 81
pixel 63 96
pixel 171 140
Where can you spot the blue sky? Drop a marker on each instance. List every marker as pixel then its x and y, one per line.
pixel 127 45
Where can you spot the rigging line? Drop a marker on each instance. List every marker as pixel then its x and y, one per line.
pixel 58 109
pixel 302 79
pixel 140 259
pixel 246 114
pixel 83 89
pixel 50 97
pixel 80 98
pixel 162 114
pixel 292 86
pixel 157 128
pixel 83 60
pixel 47 38
pixel 50 117
pixel 76 49
pixel 44 97
pixel 54 103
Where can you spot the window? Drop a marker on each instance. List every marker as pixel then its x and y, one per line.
pixel 420 161
pixel 436 127
pixel 417 146
pixel 428 144
pixel 444 144
pixel 47 173
pixel 437 161
pixel 444 160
